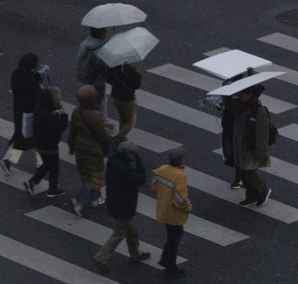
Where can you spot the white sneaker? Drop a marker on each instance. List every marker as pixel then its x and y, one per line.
pixel 77 207
pixel 97 201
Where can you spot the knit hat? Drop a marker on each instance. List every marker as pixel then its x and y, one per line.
pixel 127 147
pixel 175 155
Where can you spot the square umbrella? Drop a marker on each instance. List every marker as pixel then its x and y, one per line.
pixel 242 84
pixel 231 63
pixel 127 47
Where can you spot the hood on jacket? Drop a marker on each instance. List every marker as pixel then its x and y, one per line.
pixel 87 97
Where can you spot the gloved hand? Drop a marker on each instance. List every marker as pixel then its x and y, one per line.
pixel 44 70
pixel 58 111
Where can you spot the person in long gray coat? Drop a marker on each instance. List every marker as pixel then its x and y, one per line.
pixel 251 149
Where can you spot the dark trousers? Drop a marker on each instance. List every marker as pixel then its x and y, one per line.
pixel 50 165
pixel 254 185
pixel 170 251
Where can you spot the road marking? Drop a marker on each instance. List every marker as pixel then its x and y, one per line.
pixel 91 231
pixel 221 189
pixel 290 131
pixel 195 225
pixel 206 83
pixel 278 168
pixel 47 264
pixel 281 40
pixel 290 77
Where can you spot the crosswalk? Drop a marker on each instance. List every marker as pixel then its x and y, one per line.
pixel 198 181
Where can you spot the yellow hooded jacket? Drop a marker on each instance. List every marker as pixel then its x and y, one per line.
pixel 170 185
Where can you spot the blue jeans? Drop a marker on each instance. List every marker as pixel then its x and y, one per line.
pixel 85 196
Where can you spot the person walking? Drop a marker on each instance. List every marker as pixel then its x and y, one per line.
pixel 91 70
pixel 125 80
pixel 48 126
pixel 86 140
pixel 25 84
pixel 124 175
pixel 172 208
pixel 251 149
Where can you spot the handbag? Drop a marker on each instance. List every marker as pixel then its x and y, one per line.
pixel 27 125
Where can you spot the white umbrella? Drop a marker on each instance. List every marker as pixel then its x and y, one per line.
pixel 111 15
pixel 127 47
pixel 242 84
pixel 231 63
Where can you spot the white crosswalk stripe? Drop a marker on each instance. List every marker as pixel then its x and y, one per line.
pixel 47 264
pixel 281 40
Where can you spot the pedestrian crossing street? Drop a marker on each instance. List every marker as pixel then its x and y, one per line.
pixel 198 227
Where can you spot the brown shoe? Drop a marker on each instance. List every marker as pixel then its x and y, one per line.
pixel 142 256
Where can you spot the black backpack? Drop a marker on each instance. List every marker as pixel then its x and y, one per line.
pixel 273 132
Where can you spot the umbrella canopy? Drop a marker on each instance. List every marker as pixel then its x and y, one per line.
pixel 111 15
pixel 242 84
pixel 127 47
pixel 231 63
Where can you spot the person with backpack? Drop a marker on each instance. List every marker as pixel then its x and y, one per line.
pixel 251 147
pixel 91 70
pixel 125 79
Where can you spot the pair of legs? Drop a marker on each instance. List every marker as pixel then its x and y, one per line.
pixel 50 165
pixel 170 251
pixel 13 156
pixel 257 191
pixel 85 197
pixel 123 228
pixel 127 117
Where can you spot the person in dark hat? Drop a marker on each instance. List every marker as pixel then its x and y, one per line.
pixel 172 208
pixel 125 173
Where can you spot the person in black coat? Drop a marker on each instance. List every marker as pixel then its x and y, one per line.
pixel 125 173
pixel 25 84
pixel 48 126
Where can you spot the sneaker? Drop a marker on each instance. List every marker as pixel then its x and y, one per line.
pixel 77 207
pixel 102 266
pixel 237 185
pixel 263 198
pixel 96 202
pixel 56 193
pixel 180 273
pixel 5 164
pixel 247 202
pixel 29 187
pixel 142 256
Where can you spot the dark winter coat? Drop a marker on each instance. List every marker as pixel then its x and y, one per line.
pixel 48 125
pixel 251 149
pixel 86 138
pixel 25 89
pixel 124 82
pixel 123 182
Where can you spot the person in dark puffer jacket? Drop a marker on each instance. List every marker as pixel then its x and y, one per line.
pixel 125 173
pixel 48 126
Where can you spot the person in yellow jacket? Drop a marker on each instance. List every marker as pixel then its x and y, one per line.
pixel 172 208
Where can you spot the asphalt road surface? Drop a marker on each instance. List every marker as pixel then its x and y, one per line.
pixel 41 242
